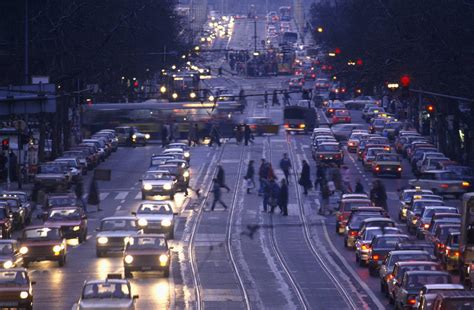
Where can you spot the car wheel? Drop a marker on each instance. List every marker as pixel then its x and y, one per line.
pixel 127 273
pixel 166 273
pixel 62 261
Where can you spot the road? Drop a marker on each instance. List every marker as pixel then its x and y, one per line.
pixel 239 258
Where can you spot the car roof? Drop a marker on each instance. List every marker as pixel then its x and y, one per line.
pixel 125 217
pixel 379 219
pixel 442 286
pixel 433 272
pixel 415 262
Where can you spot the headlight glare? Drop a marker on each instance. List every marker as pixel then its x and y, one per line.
pixel 147 136
pixel 24 295
pixel 76 228
pixel 128 259
pixel 102 240
pixel 166 223
pixel 142 222
pixel 23 250
pixel 57 248
pixel 167 186
pixel 163 259
pixel 8 264
pixel 147 187
pixel 134 136
pixel 187 154
pixel 186 174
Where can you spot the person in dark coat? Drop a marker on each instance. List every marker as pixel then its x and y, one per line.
pixel 378 194
pixel 325 193
pixel 271 173
pixel 221 177
pixel 164 135
pixel 274 195
pixel 262 174
pixel 320 175
pixel 285 166
pixel 249 176
pixel 275 99
pixel 93 198
pixel 13 166
pixel 238 133
pixel 266 189
pixel 216 191
pixel 359 188
pixel 305 178
pixel 283 197
pixel 265 99
pixel 247 134
pixel 79 191
pixel 215 137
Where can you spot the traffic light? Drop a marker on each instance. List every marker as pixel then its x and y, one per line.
pixel 430 108
pixel 135 86
pixel 89 101
pixel 405 82
pixel 6 144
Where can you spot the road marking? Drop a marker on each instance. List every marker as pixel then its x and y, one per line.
pixel 118 208
pixel 138 196
pixel 121 195
pixel 103 196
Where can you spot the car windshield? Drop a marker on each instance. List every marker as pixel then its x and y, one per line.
pixel 62 201
pixel 12 203
pixel 42 233
pixel 379 122
pixel 155 161
pixel 6 248
pixel 387 242
pixel 388 157
pixel 342 113
pixel 328 148
pixel 173 169
pixel 51 169
pixel 106 290
pixel 418 205
pixel 416 282
pixel 444 232
pixel 157 176
pixel 448 176
pixel 356 219
pixel 146 243
pixel 119 224
pixel 420 267
pixel 13 278
pixel 408 257
pixel 147 208
pixel 64 215
pixel 348 205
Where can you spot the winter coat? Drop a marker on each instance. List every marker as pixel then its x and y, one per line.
pixel 305 179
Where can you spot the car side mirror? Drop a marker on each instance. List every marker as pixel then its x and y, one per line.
pixel 135 296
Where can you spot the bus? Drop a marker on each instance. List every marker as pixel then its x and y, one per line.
pixel 288 38
pixel 285 13
pixel 180 87
pixel 299 118
pixel 285 62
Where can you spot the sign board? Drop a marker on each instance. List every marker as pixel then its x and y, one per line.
pixel 102 174
pixel 39 79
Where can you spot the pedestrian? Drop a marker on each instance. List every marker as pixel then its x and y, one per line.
pixel 265 99
pixel 262 174
pixel 79 191
pixel 221 177
pixel 196 136
pixel 275 98
pixel 286 98
pixel 285 166
pixel 93 198
pixel 325 194
pixel 130 139
pixel 13 166
pixel 305 178
pixel 346 180
pixel 359 188
pixel 238 134
pixel 216 191
pixel 320 175
pixel 215 137
pixel 176 132
pixel 274 195
pixel 283 197
pixel 378 194
pixel 164 135
pixel 266 190
pixel 247 134
pixel 249 176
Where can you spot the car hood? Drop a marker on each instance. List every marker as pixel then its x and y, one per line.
pixel 155 217
pixel 157 182
pixel 106 303
pixel 117 233
pixel 50 176
pixel 61 223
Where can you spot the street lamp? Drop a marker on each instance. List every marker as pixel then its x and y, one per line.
pixel 393 86
pixel 197 48
pixel 320 29
pixel 332 54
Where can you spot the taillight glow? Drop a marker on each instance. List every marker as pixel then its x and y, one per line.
pixel 465 184
pixel 375 257
pixel 365 247
pixel 411 301
pixel 399 169
pixel 353 233
pixel 377 168
pixel 444 186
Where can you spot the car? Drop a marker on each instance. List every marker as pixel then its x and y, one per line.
pixel 463 172
pixel 262 125
pixel 16 289
pixel 296 83
pixel 393 278
pixel 451 254
pixel 387 164
pixel 58 200
pixel 321 84
pixel 354 140
pixel 74 166
pixel 355 221
pixel 124 133
pixel 377 125
pixel 112 292
pixel 341 116
pixel 416 208
pixel 405 198
pixel 370 154
pixel 371 111
pixel 342 132
pixel 71 220
pixel 391 128
pixel 10 256
pixel 182 175
pixel 333 106
pixel 114 232
pixel 6 222
pixel 359 102
pixel 434 164
pixel 184 164
pixel 157 160
pixel 81 157
pixel 25 203
pixel 92 158
pixel 52 176
pixel 17 210
pixel 425 218
pixel 377 222
pixel 441 182
pixel 346 204
pixel 429 292
pixel 330 152
pixel 407 291
pixel 417 245
pixel 147 252
pixel 158 182
pixel 42 243
pixel 438 217
pixel 178 145
pixel 364 240
pixel 156 217
pixel 177 151
pixel 380 247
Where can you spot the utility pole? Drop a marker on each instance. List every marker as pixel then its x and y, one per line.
pixel 255 33
pixel 27 39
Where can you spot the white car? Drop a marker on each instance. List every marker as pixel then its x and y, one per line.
pixel 156 217
pixel 158 182
pixel 113 233
pixel 111 293
pixel 441 182
pixel 359 102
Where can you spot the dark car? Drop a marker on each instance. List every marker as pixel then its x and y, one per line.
pixel 380 247
pixel 15 289
pixel 72 220
pixel 41 243
pixel 17 210
pixel 60 200
pixel 25 203
pixel 416 245
pixel 10 256
pixel 438 238
pixel 451 254
pixel 6 222
pixel 148 252
pixel 454 300
pixel 355 222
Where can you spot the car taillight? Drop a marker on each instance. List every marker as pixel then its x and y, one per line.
pixel 353 233
pixel 302 125
pixel 387 148
pixel 399 169
pixel 348 119
pixel 411 300
pixel 331 110
pixel 291 83
pixel 313 75
pixel 351 143
pixel 444 185
pixel 375 257
pixel 389 277
pixel 340 218
pixel 377 168
pixel 426 226
pixel 337 155
pixel 440 245
pixel 286 126
pixel 465 184
pixel 321 156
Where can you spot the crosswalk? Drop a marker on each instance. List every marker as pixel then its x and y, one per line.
pixel 119 195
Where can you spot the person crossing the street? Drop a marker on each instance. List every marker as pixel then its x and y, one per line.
pixel 216 191
pixel 305 178
pixel 221 177
pixel 283 197
pixel 249 176
pixel 285 166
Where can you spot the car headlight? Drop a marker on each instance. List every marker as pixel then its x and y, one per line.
pixel 103 240
pixel 166 223
pixel 147 187
pixel 8 264
pixel 57 248
pixel 76 228
pixel 126 240
pixel 147 136
pixel 128 259
pixel 186 174
pixel 187 154
pixel 23 250
pixel 142 222
pixel 24 295
pixel 163 259
pixel 167 186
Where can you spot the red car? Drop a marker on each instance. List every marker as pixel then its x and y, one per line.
pixel 71 220
pixel 341 116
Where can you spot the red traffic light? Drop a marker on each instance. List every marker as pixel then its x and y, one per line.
pixel 405 81
pixel 337 50
pixel 5 144
pixel 135 84
pixel 430 108
pixel 359 62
